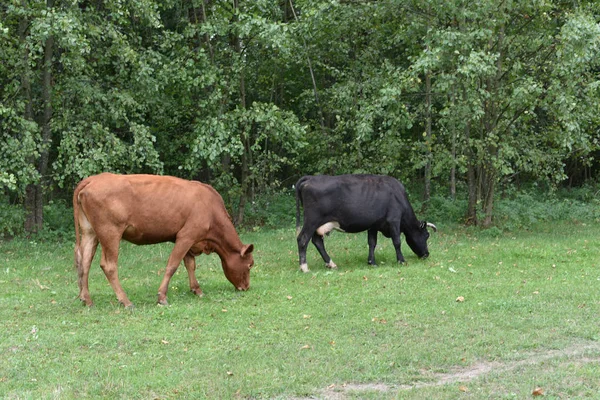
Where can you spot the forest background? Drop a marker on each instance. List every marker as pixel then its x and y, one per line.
pixel 461 100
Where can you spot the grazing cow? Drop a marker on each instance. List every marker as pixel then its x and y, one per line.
pixel 357 203
pixel 149 209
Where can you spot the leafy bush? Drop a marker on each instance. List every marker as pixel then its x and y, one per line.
pixel 58 221
pixel 441 209
pixel 273 210
pixel 12 219
pixel 528 208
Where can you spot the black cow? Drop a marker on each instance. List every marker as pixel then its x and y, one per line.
pixel 357 203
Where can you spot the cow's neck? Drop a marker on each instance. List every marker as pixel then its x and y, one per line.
pixel 224 240
pixel 409 220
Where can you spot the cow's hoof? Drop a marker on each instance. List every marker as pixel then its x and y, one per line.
pixel 198 292
pixel 87 303
pixel 372 263
pixel 130 307
pixel 331 265
pixel 163 302
pixel 304 268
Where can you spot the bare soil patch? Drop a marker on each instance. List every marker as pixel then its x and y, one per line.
pixel 577 352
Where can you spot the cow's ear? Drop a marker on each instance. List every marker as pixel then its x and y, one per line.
pixel 247 249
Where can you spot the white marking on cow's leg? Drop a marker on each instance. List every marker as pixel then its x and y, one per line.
pixel 328 227
pixel 331 265
pixel 304 267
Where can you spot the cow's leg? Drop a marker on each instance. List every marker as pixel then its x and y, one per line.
pixel 320 245
pixel 108 262
pixel 303 239
pixel 84 254
pixel 372 239
pixel 395 234
pixel 177 254
pixel 190 264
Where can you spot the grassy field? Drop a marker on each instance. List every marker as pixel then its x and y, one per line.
pixel 483 317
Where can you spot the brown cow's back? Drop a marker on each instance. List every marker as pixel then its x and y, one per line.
pixel 150 209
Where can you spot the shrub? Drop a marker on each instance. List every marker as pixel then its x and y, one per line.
pixel 272 210
pixel 58 221
pixel 12 220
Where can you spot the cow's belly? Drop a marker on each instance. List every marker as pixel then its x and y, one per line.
pixel 328 227
pixel 137 236
pixel 361 226
pixel 348 228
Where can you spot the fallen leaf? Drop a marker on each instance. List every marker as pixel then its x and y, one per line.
pixel 306 316
pixel 289 297
pixel 538 391
pixel 229 373
pixel 164 341
pixel 463 389
pixel 460 299
pixel 224 310
pixel 305 347
pixel 365 278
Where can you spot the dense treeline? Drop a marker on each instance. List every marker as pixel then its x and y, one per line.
pixel 463 97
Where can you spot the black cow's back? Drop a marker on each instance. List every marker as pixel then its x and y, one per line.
pixel 356 202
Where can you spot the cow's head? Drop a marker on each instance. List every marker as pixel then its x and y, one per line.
pixel 237 267
pixel 417 239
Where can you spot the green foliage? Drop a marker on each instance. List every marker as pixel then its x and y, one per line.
pixel 521 209
pixel 245 94
pixel 91 149
pixel 275 210
pixel 58 222
pixel 525 209
pixel 12 218
pixel 17 146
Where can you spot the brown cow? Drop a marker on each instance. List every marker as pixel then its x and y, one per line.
pixel 148 209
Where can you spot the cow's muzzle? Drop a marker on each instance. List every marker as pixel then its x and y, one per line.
pixel 424 256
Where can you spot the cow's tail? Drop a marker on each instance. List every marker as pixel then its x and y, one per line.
pixel 298 190
pixel 78 189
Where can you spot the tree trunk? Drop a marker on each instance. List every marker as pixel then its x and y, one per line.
pixel 489 200
pixel 239 219
pixel 428 118
pixel 32 203
pixel 471 217
pixel 312 74
pixel 206 35
pixel 244 183
pixel 490 124
pixel 34 193
pixel 453 167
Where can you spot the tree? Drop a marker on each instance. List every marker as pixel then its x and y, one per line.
pixel 501 64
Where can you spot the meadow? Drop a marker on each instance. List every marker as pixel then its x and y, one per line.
pixel 509 315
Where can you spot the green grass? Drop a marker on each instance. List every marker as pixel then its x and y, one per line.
pixel 529 319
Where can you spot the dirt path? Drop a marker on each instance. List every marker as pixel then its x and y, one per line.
pixel 576 352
